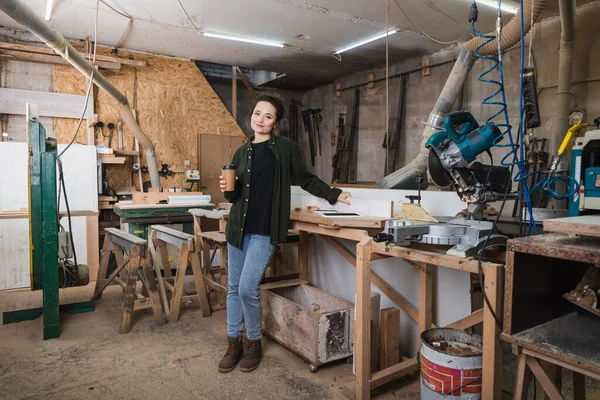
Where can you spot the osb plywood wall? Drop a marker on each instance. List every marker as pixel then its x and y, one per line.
pixel 174 104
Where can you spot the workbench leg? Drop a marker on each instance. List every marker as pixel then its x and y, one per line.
pixel 554 373
pixel 179 281
pixel 425 297
pixel 303 256
pixel 149 282
pixel 522 378
pixel 578 386
pixel 106 250
pixel 362 327
pixel 492 351
pixel 199 282
pixel 129 291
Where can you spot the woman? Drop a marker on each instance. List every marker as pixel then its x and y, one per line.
pixel 258 220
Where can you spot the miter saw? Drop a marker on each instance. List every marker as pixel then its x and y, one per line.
pixel 451 163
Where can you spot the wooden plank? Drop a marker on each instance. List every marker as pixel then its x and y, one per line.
pixel 126 236
pixel 463 264
pixel 49 51
pixel 425 297
pixel 554 372
pixel 492 351
pixel 468 321
pixel 59 105
pixel 126 153
pixel 508 292
pixel 385 287
pixel 179 281
pixel 234 92
pixel 389 342
pixel 394 372
pixel 521 384
pixel 199 283
pixel 16 55
pixel 129 290
pixel 149 281
pixel 93 246
pixel 285 283
pixel 362 329
pixel 157 262
pixel 588 225
pixel 576 368
pixel 342 233
pixel 153 198
pixel 110 159
pixel 578 386
pixel 559 245
pixel 303 256
pixel 549 388
pixel 215 285
pixel 341 222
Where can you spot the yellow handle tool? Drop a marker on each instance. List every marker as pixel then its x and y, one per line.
pixel 566 143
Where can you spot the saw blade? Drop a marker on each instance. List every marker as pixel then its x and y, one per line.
pixel 438 173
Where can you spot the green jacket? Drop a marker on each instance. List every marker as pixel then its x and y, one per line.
pixel 289 163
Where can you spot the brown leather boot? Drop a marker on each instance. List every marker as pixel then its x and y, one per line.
pixel 252 355
pixel 232 356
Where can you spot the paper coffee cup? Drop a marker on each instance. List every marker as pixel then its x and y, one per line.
pixel 228 173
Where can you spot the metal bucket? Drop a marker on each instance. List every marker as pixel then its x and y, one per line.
pixel 451 362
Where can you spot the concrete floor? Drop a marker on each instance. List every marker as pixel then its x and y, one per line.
pixel 175 361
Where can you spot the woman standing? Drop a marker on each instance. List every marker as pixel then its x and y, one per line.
pixel 258 220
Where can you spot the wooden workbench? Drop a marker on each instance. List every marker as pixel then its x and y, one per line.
pixel 359 229
pixel 539 323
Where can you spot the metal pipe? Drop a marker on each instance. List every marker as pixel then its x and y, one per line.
pixel 397 75
pixel 24 15
pixel 511 34
pixel 407 175
pixel 565 65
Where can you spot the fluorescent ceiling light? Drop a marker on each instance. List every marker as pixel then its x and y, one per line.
pixel 506 6
pixel 369 40
pixel 239 39
pixel 49 5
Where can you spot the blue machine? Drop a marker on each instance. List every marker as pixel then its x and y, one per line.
pixel 462 140
pixel 585 169
pixel 452 159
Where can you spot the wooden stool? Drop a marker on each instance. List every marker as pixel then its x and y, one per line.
pixel 160 236
pixel 215 241
pixel 548 372
pixel 125 245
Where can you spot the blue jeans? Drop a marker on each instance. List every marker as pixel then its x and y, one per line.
pixel 246 267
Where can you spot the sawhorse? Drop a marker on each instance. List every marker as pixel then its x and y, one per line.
pixel 123 244
pixel 159 237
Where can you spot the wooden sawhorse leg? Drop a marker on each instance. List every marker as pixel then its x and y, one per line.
pixel 160 236
pixel 120 243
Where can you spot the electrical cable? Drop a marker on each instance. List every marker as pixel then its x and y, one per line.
pixel 188 15
pixel 423 33
pixel 61 178
pixel 127 28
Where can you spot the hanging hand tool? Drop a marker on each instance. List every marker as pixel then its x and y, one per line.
pixel 317 118
pixel 306 117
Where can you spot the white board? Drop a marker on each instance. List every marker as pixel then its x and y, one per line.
pixel 80 173
pixel 60 105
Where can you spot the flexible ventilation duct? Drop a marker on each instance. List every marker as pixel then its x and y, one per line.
pixel 511 35
pixel 24 15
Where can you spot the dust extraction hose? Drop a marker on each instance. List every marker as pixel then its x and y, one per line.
pixel 511 34
pixel 24 15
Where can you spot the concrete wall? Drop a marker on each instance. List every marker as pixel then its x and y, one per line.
pixel 245 101
pixel 422 92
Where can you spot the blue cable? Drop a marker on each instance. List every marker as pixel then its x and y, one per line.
pixel 506 128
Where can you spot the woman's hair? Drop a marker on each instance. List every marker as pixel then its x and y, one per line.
pixel 274 101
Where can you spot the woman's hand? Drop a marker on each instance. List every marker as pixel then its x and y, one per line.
pixel 222 182
pixel 343 197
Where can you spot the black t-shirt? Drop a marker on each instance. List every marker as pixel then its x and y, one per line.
pixel 260 202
